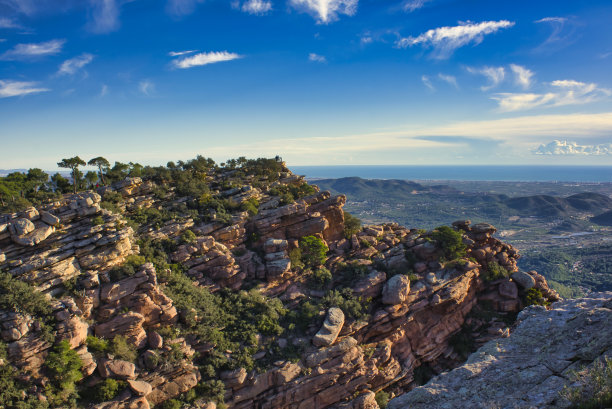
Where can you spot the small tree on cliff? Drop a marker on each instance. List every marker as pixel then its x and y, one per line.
pixel 103 166
pixel 313 250
pixel 72 164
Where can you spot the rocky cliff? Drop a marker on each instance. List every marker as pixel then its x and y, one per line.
pixel 152 264
pixel 534 366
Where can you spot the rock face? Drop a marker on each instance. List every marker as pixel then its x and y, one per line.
pixel 529 368
pixel 396 290
pixel 331 328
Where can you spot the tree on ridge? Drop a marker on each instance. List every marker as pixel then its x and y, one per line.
pixel 72 164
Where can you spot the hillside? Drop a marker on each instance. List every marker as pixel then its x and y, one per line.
pixel 201 285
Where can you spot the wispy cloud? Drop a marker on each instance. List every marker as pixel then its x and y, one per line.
pixel 33 50
pixel 326 11
pixel 316 58
pixel 256 7
pixel 179 53
pixel 562 34
pixel 19 88
pixel 179 8
pixel 412 5
pixel 522 76
pixel 71 66
pixel 427 82
pixel 445 40
pixel 562 92
pixel 7 23
pixel 104 16
pixel 146 87
pixel 450 79
pixel 104 90
pixel 205 58
pixel 564 148
pixel 494 75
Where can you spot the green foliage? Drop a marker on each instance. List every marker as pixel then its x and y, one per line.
pixel 97 346
pixel 382 398
pixel 171 404
pixel 107 390
pixel 128 268
pixel 295 255
pixel 251 206
pixel 535 297
pixel 593 386
pixel 121 349
pixel 450 241
pixel 188 237
pixel 19 296
pixel 290 193
pixel 97 221
pixel 314 251
pixel 344 299
pixel 73 164
pixel 14 394
pixel 495 271
pixel 320 277
pixel 352 271
pixel 20 190
pixel 352 225
pixel 64 368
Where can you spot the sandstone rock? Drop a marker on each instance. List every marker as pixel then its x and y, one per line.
pixel 128 325
pixel 508 289
pixel 21 227
pixel 117 369
pixel 155 340
pixel 396 289
pixel 331 328
pixel 48 218
pixel 524 280
pixel 325 354
pixel 140 388
pixel 234 378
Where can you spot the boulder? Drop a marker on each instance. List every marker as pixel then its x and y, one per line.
pixel 331 328
pixel 524 280
pixel 48 218
pixel 117 369
pixel 140 388
pixel 21 227
pixel 396 290
pixel 155 340
pixel 508 289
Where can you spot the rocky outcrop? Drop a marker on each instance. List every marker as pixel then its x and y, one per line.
pixel 530 367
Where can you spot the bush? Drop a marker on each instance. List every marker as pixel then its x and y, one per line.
pixel 352 225
pixel 320 277
pixel 314 251
pixel 495 271
pixel 128 268
pixel 535 297
pixel 188 237
pixel 251 206
pixel 107 390
pixel 450 241
pixel 64 367
pixel 382 398
pixel 344 299
pixel 295 255
pixel 97 346
pixel 122 350
pixel 19 296
pixel 171 404
pixel 594 386
pixel 97 221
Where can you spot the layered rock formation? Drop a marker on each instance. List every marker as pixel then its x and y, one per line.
pixel 414 299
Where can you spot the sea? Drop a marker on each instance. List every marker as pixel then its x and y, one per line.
pixel 584 174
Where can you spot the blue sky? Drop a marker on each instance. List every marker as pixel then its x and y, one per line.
pixel 319 82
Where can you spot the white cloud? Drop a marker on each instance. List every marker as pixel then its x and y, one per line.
pixel 428 83
pixel 205 58
pixel 563 92
pixel 522 75
pixel 572 148
pixel 256 7
pixel 449 79
pixel 146 87
pixel 316 58
pixel 412 5
pixel 19 88
pixel 71 66
pixel 562 33
pixel 495 75
pixel 179 53
pixel 445 40
pixel 366 39
pixel 104 17
pixel 33 50
pixel 7 23
pixel 182 7
pixel 104 90
pixel 326 11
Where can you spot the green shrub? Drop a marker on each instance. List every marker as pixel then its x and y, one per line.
pixel 320 277
pixel 495 271
pixel 314 251
pixel 251 206
pixel 188 237
pixel 451 242
pixel 97 221
pixel 535 297
pixel 593 388
pixel 121 349
pixel 382 398
pixel 344 299
pixel 352 225
pixel 128 268
pixel 107 390
pixel 295 255
pixel 171 404
pixel 64 368
pixel 352 271
pixel 97 346
pixel 19 296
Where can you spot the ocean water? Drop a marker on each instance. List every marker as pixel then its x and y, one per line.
pixel 595 174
